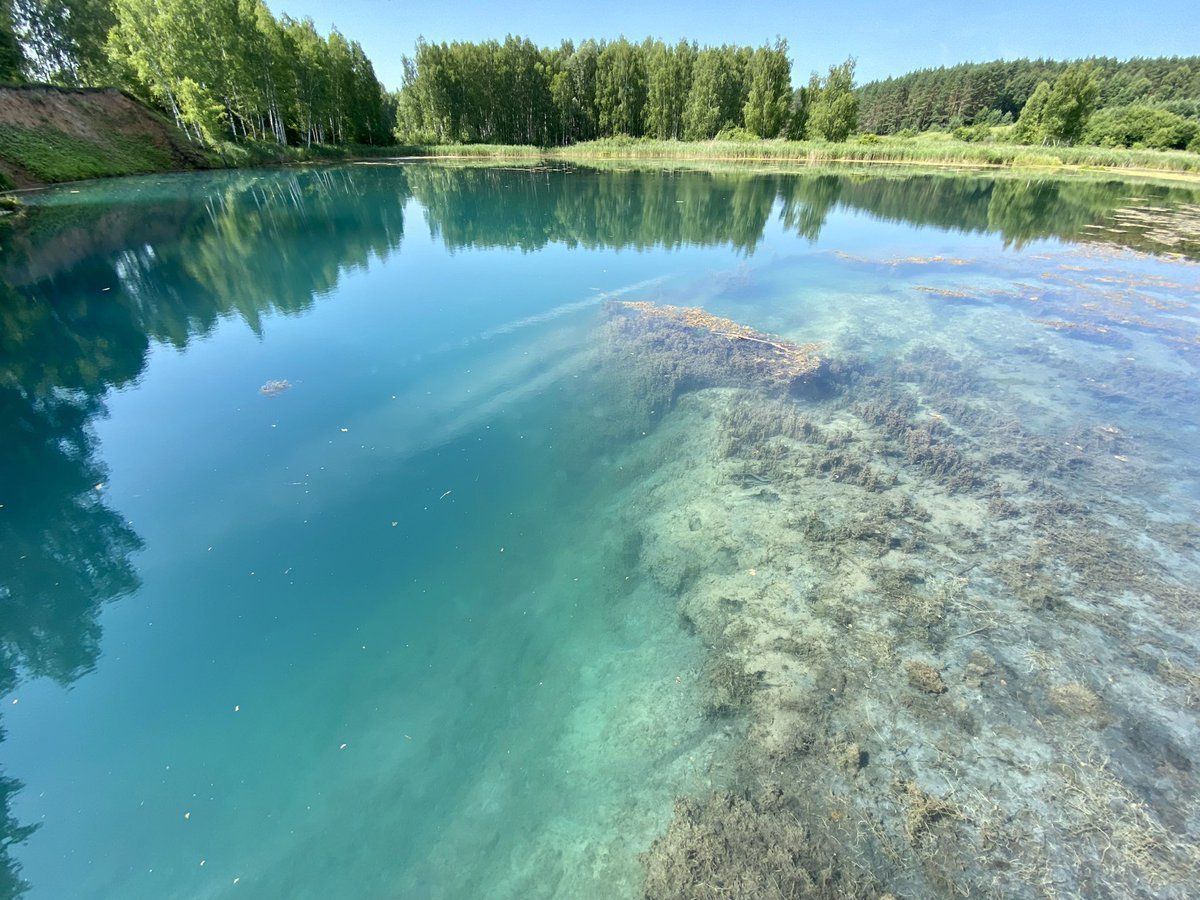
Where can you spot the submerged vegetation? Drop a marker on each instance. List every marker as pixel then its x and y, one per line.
pixel 941 612
pixel 718 348
pixel 900 696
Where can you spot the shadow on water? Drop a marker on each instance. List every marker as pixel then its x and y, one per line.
pixel 93 279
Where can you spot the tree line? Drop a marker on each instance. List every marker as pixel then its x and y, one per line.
pixel 223 70
pixel 514 92
pixel 1159 91
pixel 229 69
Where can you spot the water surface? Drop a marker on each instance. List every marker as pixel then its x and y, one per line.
pixel 443 612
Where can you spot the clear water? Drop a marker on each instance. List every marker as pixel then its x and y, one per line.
pixel 404 628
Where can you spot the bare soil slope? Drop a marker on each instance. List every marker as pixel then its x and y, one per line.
pixel 50 134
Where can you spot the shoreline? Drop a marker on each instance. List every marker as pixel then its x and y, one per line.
pixel 701 162
pixel 918 152
pixel 710 155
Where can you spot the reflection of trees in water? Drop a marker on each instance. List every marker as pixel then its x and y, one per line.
pixel 63 551
pixel 90 285
pixel 246 246
pixel 528 209
pixel 95 285
pixel 807 203
pixel 11 832
pixel 485 207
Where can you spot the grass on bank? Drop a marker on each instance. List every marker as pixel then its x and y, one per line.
pixel 942 150
pixel 255 153
pixel 50 155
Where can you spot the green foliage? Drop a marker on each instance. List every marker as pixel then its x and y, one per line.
pixel 12 58
pixel 1031 126
pixel 929 148
pixel 1140 126
pixel 931 98
pixel 64 40
pixel 230 70
pixel 833 114
pixel 621 88
pixel 670 75
pixel 736 133
pixel 199 109
pixel 770 74
pixel 465 92
pixel 1070 103
pixel 973 134
pixel 719 91
pixel 493 92
pixel 1058 114
pixel 50 155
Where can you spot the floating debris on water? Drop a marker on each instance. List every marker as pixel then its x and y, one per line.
pixel 1175 228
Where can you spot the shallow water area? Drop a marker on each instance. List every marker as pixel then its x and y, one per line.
pixel 359 539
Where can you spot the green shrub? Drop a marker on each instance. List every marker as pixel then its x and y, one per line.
pixel 1140 125
pixel 736 133
pixel 973 134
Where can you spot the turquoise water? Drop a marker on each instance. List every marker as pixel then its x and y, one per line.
pixel 436 618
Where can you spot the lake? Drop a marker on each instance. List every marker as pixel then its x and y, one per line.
pixel 432 531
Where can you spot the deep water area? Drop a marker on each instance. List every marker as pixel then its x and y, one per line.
pixel 411 530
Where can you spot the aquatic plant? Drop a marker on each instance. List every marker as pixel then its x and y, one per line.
pixel 730 686
pixel 924 677
pixel 725 845
pixel 929 631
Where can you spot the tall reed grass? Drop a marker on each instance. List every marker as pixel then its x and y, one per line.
pixel 919 150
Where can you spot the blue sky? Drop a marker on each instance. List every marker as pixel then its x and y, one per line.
pixel 888 38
